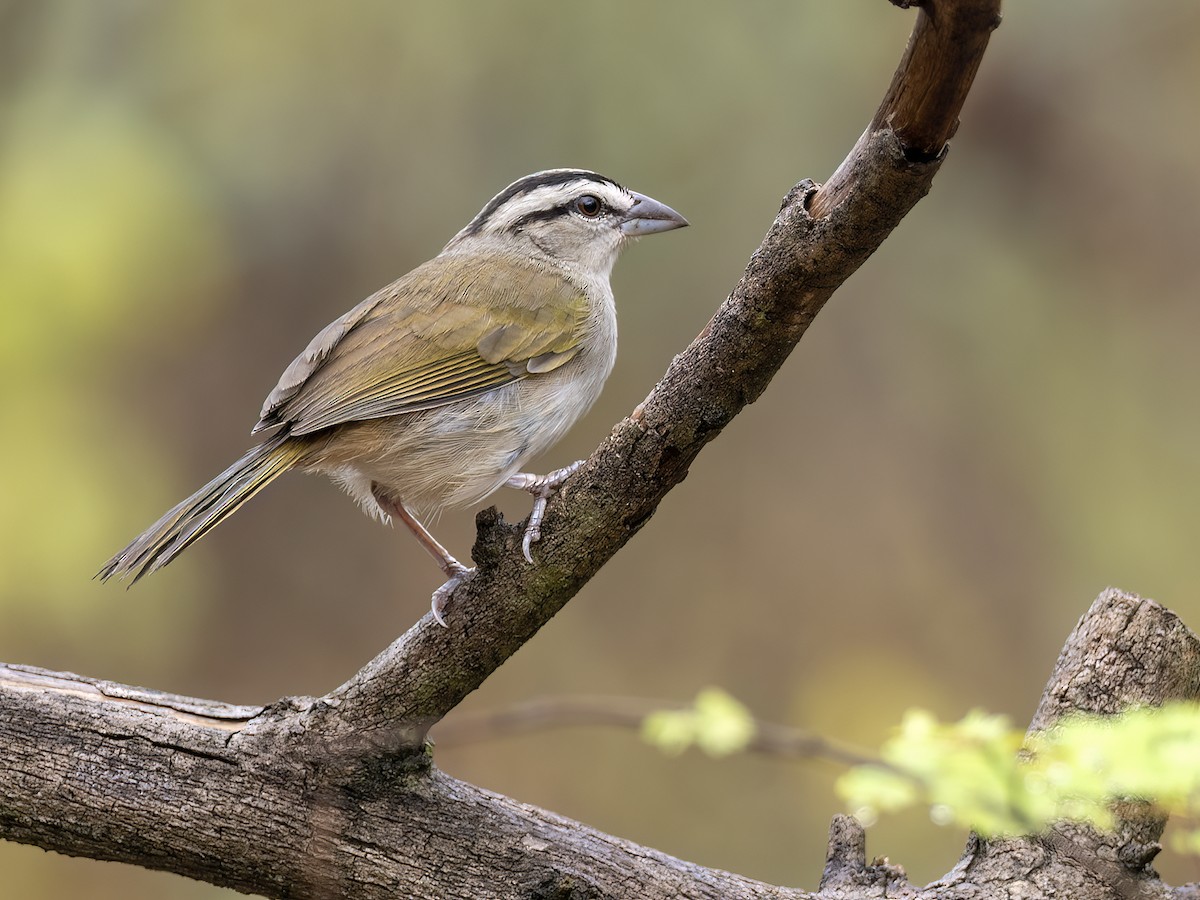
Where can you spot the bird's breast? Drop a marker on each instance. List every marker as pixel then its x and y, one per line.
pixel 457 454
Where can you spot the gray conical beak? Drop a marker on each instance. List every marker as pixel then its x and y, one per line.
pixel 648 216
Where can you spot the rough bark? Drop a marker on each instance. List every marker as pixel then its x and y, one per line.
pixel 248 798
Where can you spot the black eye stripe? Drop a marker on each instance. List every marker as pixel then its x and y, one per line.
pixel 542 215
pixel 557 212
pixel 561 210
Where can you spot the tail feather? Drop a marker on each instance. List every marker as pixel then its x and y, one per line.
pixel 187 522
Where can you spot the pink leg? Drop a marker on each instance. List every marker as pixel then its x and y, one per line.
pixel 456 573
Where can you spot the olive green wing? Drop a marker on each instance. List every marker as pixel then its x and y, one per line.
pixel 455 327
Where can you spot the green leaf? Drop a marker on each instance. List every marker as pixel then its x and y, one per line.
pixel 670 731
pixel 716 723
pixel 723 725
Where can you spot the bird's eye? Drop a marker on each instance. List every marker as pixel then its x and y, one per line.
pixel 589 206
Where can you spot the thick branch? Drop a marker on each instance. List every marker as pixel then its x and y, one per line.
pixel 1125 651
pixel 194 788
pixel 202 790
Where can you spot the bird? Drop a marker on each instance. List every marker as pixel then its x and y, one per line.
pixel 436 390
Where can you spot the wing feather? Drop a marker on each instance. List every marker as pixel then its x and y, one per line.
pixel 450 329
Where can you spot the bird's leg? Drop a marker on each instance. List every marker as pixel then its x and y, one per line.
pixel 456 573
pixel 542 487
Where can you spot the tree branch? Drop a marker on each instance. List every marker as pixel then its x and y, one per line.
pixel 235 797
pixel 192 787
pixel 629 713
pixel 803 259
pixel 1125 651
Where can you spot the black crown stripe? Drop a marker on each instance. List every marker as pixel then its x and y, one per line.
pixel 530 183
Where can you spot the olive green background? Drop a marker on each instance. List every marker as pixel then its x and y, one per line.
pixel 996 418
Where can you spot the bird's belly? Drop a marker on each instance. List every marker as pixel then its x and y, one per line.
pixel 457 454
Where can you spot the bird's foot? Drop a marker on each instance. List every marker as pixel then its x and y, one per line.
pixel 542 487
pixel 458 573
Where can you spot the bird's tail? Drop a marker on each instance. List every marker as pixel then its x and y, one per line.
pixel 196 516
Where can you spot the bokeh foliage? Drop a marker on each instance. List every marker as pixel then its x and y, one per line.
pixel 969 773
pixel 983 774
pixel 992 421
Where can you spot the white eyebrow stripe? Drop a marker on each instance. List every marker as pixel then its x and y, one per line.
pixel 546 198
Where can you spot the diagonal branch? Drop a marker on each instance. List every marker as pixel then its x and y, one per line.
pixel 818 239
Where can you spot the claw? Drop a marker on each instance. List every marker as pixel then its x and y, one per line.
pixel 441 597
pixel 542 487
pixel 533 531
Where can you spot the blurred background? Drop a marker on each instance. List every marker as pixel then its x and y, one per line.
pixel 993 420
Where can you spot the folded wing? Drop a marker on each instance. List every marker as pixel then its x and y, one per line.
pixel 452 328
